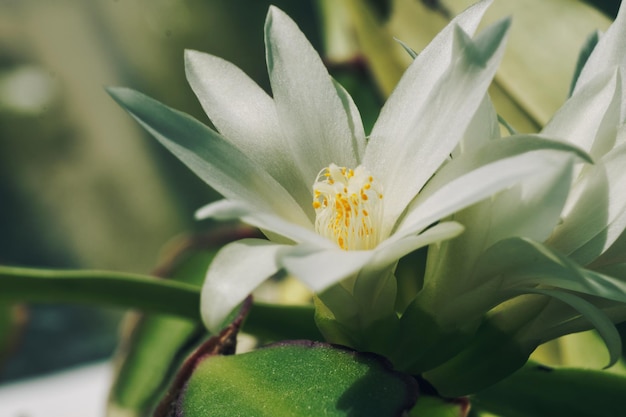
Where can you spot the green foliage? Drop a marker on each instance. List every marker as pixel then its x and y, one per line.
pixel 154 348
pixel 295 380
pixel 103 288
pixel 537 391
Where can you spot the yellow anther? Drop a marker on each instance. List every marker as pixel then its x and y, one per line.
pixel 346 209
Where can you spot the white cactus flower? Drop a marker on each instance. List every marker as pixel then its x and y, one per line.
pixel 299 166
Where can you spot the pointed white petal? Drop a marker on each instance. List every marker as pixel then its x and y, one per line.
pixel 470 188
pixel 236 271
pixel 312 115
pixel 496 150
pixel 522 262
pixel 354 120
pixel 404 163
pixel 494 167
pixel 609 52
pixel 589 119
pixel 596 216
pixel 230 210
pixel 419 79
pixel 483 127
pixel 320 268
pixel 392 250
pixel 529 209
pixel 215 160
pixel 245 115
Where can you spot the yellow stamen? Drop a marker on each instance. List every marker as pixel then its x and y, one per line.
pixel 346 210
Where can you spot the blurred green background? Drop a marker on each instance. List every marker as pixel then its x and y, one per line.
pixel 81 185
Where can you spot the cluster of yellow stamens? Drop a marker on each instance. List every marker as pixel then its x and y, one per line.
pixel 348 207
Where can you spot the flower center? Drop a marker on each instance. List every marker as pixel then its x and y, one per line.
pixel 348 207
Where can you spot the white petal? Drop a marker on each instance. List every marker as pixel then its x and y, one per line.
pixel 470 188
pixel 230 210
pixel 589 119
pixel 419 79
pixel 354 120
pixel 532 209
pixel 320 268
pixel 609 52
pixel 483 127
pixel 245 115
pixel 404 162
pixel 236 271
pixel 215 160
pixel 312 115
pixel 392 250
pixel 596 217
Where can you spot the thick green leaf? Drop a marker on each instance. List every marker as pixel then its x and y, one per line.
pixel 146 293
pixel 537 391
pixel 294 380
pixel 103 288
pixel 224 343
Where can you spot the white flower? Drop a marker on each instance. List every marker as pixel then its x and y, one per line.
pixel 579 215
pixel 298 165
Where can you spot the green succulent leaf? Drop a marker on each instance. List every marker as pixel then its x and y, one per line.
pixel 296 379
pixel 537 391
pixel 145 293
pixel 104 288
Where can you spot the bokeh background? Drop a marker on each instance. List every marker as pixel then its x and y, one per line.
pixel 82 186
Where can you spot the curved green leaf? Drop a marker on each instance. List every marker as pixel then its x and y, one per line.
pixel 146 293
pixel 537 391
pixel 596 317
pixel 103 288
pixel 294 380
